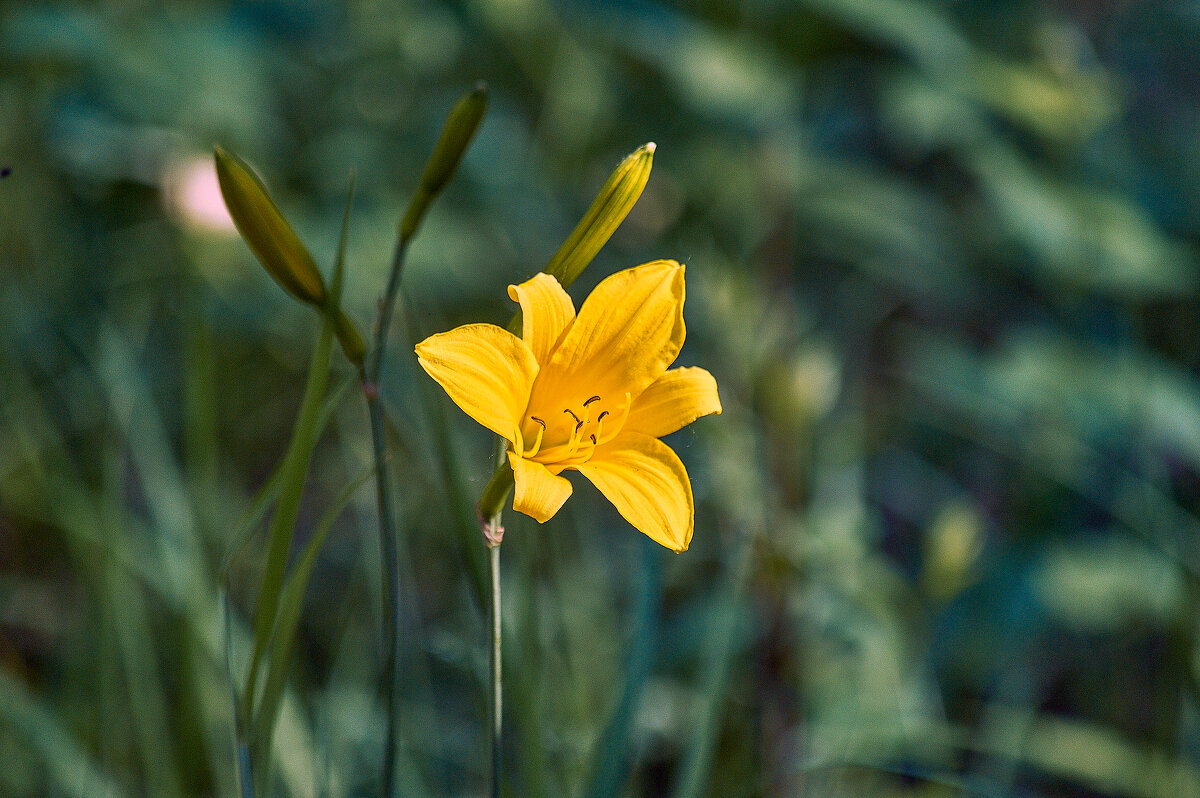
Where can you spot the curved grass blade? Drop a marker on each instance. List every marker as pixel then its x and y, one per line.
pixel 72 771
pixel 263 499
pixel 290 606
pixel 611 766
pixel 293 473
pixel 721 648
pixel 287 510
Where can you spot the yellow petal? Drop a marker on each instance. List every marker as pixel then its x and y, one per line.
pixel 674 400
pixel 546 310
pixel 538 493
pixel 486 370
pixel 648 485
pixel 626 334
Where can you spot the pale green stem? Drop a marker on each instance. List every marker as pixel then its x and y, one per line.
pixel 497 680
pixel 492 501
pixel 490 507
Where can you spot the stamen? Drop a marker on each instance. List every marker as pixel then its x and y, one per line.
pixel 589 401
pixel 600 417
pixel 577 421
pixel 623 417
pixel 573 443
pixel 537 442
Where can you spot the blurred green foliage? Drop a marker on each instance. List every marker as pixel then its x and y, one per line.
pixel 942 261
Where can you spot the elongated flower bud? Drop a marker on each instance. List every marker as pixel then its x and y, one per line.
pixel 457 133
pixel 609 209
pixel 271 238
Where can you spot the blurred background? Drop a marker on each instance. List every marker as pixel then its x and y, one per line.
pixel 942 260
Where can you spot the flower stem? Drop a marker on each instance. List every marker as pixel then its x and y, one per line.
pixel 492 500
pixel 490 507
pixel 497 678
pixel 388 547
pixel 457 133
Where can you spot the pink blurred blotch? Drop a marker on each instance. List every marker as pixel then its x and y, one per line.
pixel 193 195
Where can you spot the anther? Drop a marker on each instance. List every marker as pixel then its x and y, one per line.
pixel 538 420
pixel 577 421
pixel 593 437
pixel 589 401
pixel 600 417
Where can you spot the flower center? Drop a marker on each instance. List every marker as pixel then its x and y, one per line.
pixel 572 435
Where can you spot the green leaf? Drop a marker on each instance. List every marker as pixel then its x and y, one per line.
pixel 287 509
pixel 72 772
pixel 285 621
pixel 290 606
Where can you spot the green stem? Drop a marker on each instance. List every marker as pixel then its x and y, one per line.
pixel 497 680
pixel 492 501
pixel 388 547
pixel 490 507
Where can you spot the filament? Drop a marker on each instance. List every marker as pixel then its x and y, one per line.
pixel 537 442
pixel 623 416
pixel 518 441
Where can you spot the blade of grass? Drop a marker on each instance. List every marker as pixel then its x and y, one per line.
pixel 71 771
pixel 720 650
pixel 612 751
pixel 287 509
pixel 293 474
pixel 245 773
pixel 143 689
pixel 290 606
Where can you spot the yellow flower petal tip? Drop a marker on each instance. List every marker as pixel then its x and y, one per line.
pixel 591 392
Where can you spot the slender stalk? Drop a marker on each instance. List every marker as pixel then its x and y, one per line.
pixel 490 507
pixel 497 677
pixel 388 547
pixel 457 133
pixel 460 127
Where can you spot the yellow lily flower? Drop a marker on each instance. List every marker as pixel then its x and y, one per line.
pixel 589 392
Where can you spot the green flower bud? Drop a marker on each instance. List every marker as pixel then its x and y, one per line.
pixel 457 133
pixel 609 209
pixel 271 238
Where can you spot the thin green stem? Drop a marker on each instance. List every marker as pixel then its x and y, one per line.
pixel 490 508
pixel 388 546
pixel 456 135
pixel 497 677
